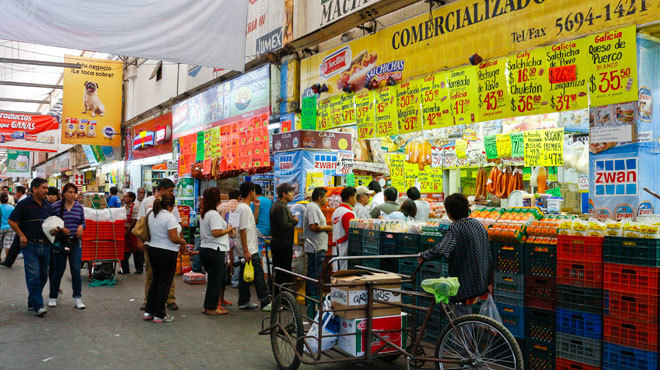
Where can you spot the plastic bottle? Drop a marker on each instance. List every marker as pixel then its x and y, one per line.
pixel 542 180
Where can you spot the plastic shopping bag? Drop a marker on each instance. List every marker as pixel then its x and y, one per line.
pixel 442 288
pixel 248 273
pixel 488 308
pixel 330 325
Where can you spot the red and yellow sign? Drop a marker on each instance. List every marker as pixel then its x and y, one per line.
pixel 493 91
pixel 364 113
pixel 408 107
pixel 568 73
pixel 529 86
pixel 92 102
pixel 386 112
pixel 435 101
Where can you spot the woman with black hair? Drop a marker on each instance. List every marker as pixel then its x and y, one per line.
pixel 164 246
pixel 213 231
pixel 408 210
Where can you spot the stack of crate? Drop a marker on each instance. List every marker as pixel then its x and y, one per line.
pixel 354 245
pixel 632 297
pixel 371 247
pixel 579 302
pixel 509 286
pixel 540 304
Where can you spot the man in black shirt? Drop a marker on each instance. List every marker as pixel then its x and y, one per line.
pixel 467 248
pixel 26 221
pixel 282 225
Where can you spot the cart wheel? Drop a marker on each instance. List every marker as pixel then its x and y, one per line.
pixel 419 352
pixel 286 315
pixel 478 341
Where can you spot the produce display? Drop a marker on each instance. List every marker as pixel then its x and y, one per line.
pixel 512 224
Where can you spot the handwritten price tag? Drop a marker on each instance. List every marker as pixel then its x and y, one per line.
pixel 364 113
pixel 613 59
pixel 308 113
pixel 493 92
pixel 553 147
pixel 323 115
pixel 528 83
pixel 386 112
pixel 336 113
pixel 348 108
pixel 408 106
pixel 517 144
pixel 490 144
pixel 396 170
pixel 504 145
pixel 569 70
pixel 434 98
pixel 464 94
pixel 461 148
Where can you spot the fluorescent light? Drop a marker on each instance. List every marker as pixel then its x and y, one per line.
pixel 151 160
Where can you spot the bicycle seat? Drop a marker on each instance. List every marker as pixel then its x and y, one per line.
pixel 441 288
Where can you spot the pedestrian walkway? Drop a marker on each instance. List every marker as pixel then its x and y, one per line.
pixel 111 334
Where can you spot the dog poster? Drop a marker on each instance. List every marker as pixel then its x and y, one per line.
pixel 91 112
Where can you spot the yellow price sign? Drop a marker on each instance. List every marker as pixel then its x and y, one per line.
pixel 528 82
pixel 435 101
pixel 464 94
pixel 493 90
pixel 364 114
pixel 386 112
pixel 408 107
pixel 461 148
pixel 336 113
pixel 568 73
pixel 396 170
pixel 323 115
pixel 503 143
pixel 348 108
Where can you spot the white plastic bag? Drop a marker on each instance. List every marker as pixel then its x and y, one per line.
pixel 488 308
pixel 51 223
pixel 330 327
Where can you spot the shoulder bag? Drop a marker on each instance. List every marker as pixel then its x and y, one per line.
pixel 141 229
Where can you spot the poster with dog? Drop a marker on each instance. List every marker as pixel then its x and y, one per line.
pixel 91 112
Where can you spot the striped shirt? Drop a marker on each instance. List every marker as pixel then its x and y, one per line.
pixel 72 218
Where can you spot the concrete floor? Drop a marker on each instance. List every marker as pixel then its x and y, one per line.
pixel 110 333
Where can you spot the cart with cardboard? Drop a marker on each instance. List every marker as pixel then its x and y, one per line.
pixel 103 239
pixel 368 303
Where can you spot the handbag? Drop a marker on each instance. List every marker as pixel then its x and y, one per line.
pixel 64 243
pixel 141 229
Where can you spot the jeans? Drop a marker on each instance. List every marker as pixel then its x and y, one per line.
pixel 197 259
pixel 282 258
pixel 59 265
pixel 163 266
pixel 314 270
pixel 36 257
pixel 259 284
pixel 214 264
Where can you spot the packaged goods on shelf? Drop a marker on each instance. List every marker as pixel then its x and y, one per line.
pixel 487 216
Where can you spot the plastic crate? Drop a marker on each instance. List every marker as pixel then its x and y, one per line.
pixel 433 328
pixel 616 357
pixel 369 249
pixel 630 333
pixel 582 324
pixel 354 242
pixel 389 243
pixel 104 230
pixel 372 263
pixel 580 349
pixel 409 243
pixel 580 248
pixel 541 292
pixel 509 257
pixel 539 356
pixel 580 298
pixel 407 266
pixel 407 298
pixel 541 260
pixel 513 317
pixel 631 306
pixel 370 237
pixel 632 251
pixel 433 270
pixel 631 278
pixel 580 273
pixel 390 265
pixel 566 364
pixel 429 241
pixel 540 325
pixel 511 286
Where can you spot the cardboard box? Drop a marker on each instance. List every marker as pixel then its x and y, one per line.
pixel 354 295
pixel 306 139
pixel 354 345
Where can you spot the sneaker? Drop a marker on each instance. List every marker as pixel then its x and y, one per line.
pixel 147 316
pixel 78 303
pixel 167 318
pixel 41 312
pixel 248 306
pixel 52 302
pixel 266 308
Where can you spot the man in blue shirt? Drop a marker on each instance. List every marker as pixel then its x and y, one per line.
pixel 26 220
pixel 114 201
pixel 261 209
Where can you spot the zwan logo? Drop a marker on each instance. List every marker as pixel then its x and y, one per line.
pixel 325 162
pixel 616 177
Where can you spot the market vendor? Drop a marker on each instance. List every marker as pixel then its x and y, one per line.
pixel 467 248
pixel 363 195
pixel 390 204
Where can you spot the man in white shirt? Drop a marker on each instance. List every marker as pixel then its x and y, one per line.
pixel 141 193
pixel 378 197
pixel 340 223
pixel 315 231
pixel 423 207
pixel 165 186
pixel 363 197
pixel 247 244
pixel 19 193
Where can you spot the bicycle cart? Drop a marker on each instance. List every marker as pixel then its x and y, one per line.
pixel 471 341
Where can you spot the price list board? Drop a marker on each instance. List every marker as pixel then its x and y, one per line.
pixel 613 66
pixel 529 86
pixel 386 112
pixel 493 91
pixel 568 74
pixel 408 107
pixel 436 107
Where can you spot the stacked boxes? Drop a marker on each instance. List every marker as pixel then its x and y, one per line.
pixel 579 301
pixel 509 286
pixel 540 304
pixel 631 300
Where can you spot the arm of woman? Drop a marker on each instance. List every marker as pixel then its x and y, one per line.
pixel 221 232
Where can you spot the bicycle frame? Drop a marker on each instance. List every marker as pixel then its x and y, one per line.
pixel 371 335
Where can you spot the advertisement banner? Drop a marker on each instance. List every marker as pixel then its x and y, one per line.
pixel 244 96
pixel 92 102
pixel 265 28
pixel 292 167
pixel 31 132
pixel 18 164
pixel 452 33
pixel 161 133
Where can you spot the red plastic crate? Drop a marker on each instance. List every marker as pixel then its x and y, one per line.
pixel 631 278
pixel 580 248
pixel 103 250
pixel 580 273
pixel 630 333
pixel 104 230
pixel 541 292
pixel 564 364
pixel 631 306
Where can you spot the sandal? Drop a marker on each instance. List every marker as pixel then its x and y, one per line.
pixel 217 311
pixel 224 302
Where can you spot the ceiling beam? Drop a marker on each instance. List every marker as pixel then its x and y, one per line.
pixel 36 101
pixel 20 112
pixel 29 84
pixel 44 63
